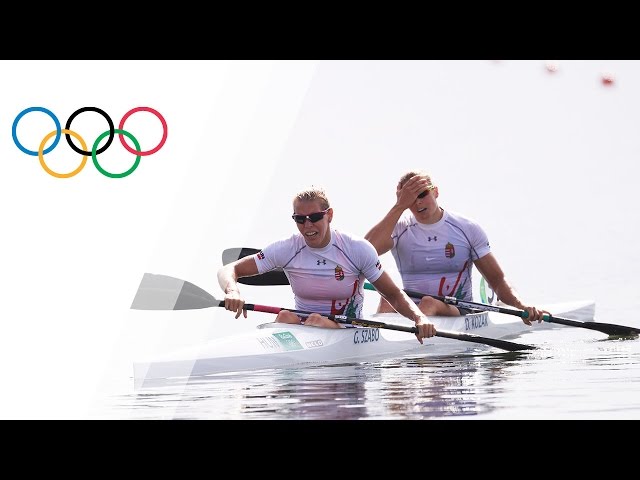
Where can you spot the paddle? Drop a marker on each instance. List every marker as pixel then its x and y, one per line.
pixel 281 279
pixel 273 277
pixel 607 328
pixel 162 292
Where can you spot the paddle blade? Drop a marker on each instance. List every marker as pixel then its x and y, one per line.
pixel 608 328
pixel 274 277
pixel 493 342
pixel 232 254
pixel 162 292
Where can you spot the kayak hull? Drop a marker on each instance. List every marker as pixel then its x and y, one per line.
pixel 275 345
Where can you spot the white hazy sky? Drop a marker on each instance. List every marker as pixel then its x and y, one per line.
pixel 546 162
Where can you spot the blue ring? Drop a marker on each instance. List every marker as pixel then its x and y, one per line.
pixel 35 109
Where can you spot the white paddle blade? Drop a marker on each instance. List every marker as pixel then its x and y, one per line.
pixel 162 292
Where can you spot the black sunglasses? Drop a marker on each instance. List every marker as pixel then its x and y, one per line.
pixel 426 192
pixel 313 217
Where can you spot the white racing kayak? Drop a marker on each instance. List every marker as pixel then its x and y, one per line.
pixel 275 345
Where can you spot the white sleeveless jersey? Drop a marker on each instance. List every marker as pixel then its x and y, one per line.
pixel 327 280
pixel 437 259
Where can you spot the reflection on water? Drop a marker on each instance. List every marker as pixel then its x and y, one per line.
pixel 410 388
pixel 437 387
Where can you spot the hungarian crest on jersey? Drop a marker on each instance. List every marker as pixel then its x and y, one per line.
pixel 449 250
pixel 339 272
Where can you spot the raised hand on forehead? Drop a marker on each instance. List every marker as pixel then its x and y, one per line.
pixel 413 187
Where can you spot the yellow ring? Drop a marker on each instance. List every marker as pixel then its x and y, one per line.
pixel 56 174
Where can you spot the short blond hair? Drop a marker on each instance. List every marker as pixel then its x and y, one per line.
pixel 311 194
pixel 413 173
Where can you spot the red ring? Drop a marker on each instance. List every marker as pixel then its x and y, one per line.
pixel 164 130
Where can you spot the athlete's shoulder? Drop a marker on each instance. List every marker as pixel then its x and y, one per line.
pixel 350 240
pixel 406 220
pixel 469 226
pixel 460 219
pixel 345 237
pixel 294 241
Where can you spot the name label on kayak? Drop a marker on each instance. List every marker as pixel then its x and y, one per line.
pixel 366 335
pixel 476 321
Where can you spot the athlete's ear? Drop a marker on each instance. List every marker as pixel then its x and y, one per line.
pixel 330 214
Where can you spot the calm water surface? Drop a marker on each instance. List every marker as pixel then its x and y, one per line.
pixel 575 374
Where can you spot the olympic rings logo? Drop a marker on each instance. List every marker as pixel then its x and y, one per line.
pixel 95 151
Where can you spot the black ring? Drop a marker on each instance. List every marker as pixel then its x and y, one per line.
pixel 90 109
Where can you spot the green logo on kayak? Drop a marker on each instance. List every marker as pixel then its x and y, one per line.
pixel 484 286
pixel 288 341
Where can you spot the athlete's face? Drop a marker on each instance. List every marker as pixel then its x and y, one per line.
pixel 316 234
pixel 425 208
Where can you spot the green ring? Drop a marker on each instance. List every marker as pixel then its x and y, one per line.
pixel 102 170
